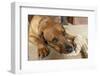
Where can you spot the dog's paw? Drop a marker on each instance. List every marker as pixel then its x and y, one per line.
pixel 43 52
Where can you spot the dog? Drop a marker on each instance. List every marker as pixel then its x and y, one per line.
pixel 47 31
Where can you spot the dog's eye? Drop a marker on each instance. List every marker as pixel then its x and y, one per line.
pixel 54 40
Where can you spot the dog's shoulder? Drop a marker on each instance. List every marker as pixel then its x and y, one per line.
pixel 34 24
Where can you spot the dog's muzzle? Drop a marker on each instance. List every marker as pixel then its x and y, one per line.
pixel 69 48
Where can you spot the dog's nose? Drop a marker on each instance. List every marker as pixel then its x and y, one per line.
pixel 69 48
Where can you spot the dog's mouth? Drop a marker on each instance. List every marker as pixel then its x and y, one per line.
pixel 63 50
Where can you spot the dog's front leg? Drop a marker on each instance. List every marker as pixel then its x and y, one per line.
pixel 41 46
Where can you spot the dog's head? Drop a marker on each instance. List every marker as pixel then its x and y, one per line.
pixel 54 34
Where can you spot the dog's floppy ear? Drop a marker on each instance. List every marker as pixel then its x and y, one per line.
pixel 44 23
pixel 42 27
